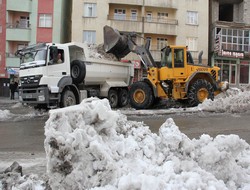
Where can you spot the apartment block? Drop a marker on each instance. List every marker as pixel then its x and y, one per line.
pixel 163 22
pixel 230 39
pixel 28 22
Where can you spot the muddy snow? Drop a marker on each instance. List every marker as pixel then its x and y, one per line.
pixel 91 146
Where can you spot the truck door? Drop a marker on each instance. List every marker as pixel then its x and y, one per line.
pixel 179 63
pixel 56 65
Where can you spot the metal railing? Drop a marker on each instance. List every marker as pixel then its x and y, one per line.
pixel 17 26
pixel 143 19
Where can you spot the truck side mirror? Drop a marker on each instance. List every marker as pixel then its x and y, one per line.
pixel 53 53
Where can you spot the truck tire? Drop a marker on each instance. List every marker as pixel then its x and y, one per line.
pixel 113 98
pixel 78 71
pixel 141 95
pixel 199 91
pixel 68 98
pixel 122 97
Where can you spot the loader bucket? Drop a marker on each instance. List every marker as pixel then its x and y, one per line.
pixel 115 43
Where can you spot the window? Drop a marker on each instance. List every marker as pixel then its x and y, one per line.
pixel 233 39
pixel 192 17
pixel 178 58
pixel 192 44
pixel 161 43
pixel 89 36
pixel 21 46
pixel 120 14
pixel 133 14
pixel 162 17
pixel 45 20
pixel 89 10
pixel 24 22
pixel 149 17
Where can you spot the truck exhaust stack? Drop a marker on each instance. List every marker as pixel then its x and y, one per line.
pixel 115 43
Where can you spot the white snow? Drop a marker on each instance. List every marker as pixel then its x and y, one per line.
pixel 91 146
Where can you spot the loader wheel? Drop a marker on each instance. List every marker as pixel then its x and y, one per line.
pixel 78 71
pixel 122 97
pixel 68 98
pixel 113 98
pixel 141 95
pixel 199 91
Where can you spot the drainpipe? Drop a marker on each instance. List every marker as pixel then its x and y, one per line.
pixel 238 73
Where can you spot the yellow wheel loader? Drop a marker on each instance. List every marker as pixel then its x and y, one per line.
pixel 175 77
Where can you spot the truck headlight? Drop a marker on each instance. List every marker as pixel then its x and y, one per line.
pixel 41 98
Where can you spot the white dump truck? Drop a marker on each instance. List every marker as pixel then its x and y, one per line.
pixel 60 75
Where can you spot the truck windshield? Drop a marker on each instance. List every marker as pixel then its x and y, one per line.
pixel 31 56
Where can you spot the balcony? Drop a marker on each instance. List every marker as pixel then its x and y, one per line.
pixel 15 5
pixel 161 26
pixel 127 2
pixel 161 3
pixel 126 23
pixel 12 60
pixel 15 33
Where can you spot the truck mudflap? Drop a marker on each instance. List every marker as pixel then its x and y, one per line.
pixel 38 95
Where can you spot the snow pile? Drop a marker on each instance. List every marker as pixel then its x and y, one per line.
pixel 5 114
pixel 234 100
pixel 13 178
pixel 89 146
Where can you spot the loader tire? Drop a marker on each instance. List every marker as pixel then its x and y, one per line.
pixel 122 97
pixel 78 71
pixel 199 91
pixel 141 95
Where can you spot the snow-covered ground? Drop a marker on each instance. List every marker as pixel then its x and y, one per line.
pixel 91 146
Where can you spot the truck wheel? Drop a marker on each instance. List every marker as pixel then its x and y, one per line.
pixel 68 98
pixel 113 98
pixel 122 97
pixel 78 71
pixel 199 91
pixel 141 95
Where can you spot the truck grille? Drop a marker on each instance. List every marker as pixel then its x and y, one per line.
pixel 30 80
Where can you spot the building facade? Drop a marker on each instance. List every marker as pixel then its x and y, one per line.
pixel 163 22
pixel 28 22
pixel 230 40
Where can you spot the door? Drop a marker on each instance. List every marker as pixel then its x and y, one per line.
pixel 179 63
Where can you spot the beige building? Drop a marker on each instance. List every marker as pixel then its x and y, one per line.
pixel 172 22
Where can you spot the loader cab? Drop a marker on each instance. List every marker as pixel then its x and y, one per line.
pixel 175 58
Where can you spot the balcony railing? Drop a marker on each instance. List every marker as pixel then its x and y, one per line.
pixel 127 2
pixel 18 25
pixel 152 25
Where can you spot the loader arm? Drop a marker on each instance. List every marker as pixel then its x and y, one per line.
pixel 122 44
